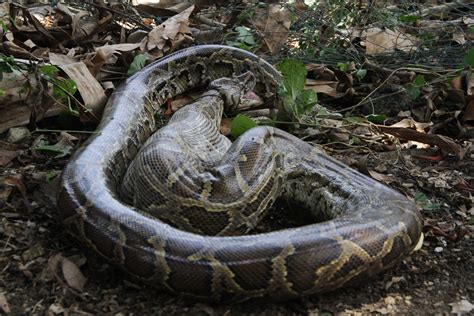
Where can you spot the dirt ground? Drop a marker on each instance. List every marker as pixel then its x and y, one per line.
pixel 438 278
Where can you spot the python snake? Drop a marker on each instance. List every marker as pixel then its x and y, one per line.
pixel 370 227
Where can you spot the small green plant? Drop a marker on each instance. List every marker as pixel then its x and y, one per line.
pixel 54 150
pixel 8 64
pixel 244 39
pixel 137 64
pixel 296 100
pixel 413 88
pixel 469 58
pixel 63 88
pixel 425 203
pixel 240 124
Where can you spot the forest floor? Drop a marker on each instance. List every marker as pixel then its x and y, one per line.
pixel 415 135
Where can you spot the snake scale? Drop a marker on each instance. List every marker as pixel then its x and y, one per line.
pixel 368 228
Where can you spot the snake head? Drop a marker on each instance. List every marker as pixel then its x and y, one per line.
pixel 233 89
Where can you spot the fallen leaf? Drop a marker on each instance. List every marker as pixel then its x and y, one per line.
pixel 90 89
pixel 20 186
pixel 322 86
pixel 273 22
pixel 6 156
pixel 20 115
pixel 462 307
pixel 169 35
pixel 66 272
pixel 470 83
pixel 4 304
pixel 386 178
pixel 73 275
pixel 469 113
pixel 411 123
pixel 60 59
pixel 379 40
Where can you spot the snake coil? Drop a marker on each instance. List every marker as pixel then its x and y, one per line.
pixel 372 227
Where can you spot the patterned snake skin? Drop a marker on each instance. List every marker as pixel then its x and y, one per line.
pixel 202 177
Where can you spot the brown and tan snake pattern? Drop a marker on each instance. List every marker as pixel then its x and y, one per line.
pixel 110 207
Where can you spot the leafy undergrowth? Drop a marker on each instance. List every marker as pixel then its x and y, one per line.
pixel 386 89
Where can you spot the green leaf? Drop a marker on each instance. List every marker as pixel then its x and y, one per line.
pixel 53 149
pixel 355 119
pixel 376 118
pixel 49 70
pixel 419 80
pixel 420 197
pixel 425 203
pixel 2 92
pixel 409 18
pixel 305 101
pixel 245 36
pixel 3 26
pixel 62 88
pixel 51 175
pixel 240 124
pixel 360 73
pixel 355 141
pixel 343 66
pixel 413 89
pixel 469 58
pixel 239 45
pixel 137 64
pixel 294 76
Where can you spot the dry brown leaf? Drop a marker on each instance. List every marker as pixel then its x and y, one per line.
pixel 83 25
pixel 66 272
pixel 386 178
pixel 4 304
pixel 6 156
pixel 60 59
pixel 411 123
pixel 459 38
pixel 90 89
pixel 20 115
pixel 470 83
pixel 379 40
pixel 462 307
pixel 322 86
pixel 167 36
pixel 273 22
pixel 469 113
pixel 72 274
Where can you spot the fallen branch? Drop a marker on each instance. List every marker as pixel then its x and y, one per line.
pixel 443 142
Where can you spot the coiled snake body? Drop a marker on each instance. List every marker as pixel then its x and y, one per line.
pixel 371 227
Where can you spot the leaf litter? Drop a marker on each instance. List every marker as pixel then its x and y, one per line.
pixel 382 98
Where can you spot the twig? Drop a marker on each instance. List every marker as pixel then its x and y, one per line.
pixel 131 18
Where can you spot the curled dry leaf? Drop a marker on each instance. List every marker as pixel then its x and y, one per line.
pixel 169 35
